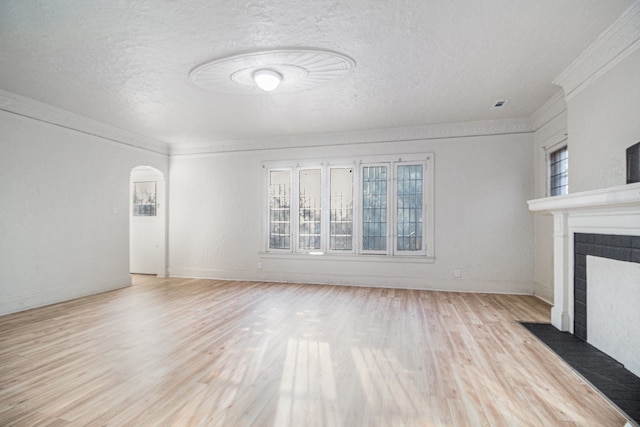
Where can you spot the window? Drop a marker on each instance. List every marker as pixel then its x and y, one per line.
pixel 279 209
pixel 144 198
pixel 374 208
pixel 341 209
pixel 309 209
pixel 409 207
pixel 558 172
pixel 369 206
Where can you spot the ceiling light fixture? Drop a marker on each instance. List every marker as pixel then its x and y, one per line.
pixel 267 79
pixel 288 70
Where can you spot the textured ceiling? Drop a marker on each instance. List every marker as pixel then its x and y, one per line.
pixel 418 62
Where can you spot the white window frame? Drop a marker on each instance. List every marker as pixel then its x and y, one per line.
pixel 427 253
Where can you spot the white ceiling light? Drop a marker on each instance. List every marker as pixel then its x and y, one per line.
pixel 297 69
pixel 267 79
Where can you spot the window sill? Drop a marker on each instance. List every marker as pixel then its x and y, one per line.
pixel 418 259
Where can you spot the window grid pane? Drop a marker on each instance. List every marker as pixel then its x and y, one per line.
pixel 558 172
pixel 409 208
pixel 310 213
pixel 374 208
pixel 341 209
pixel 279 210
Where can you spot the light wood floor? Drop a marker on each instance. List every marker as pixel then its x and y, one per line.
pixel 202 352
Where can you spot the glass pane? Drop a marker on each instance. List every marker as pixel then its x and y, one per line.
pixel 279 210
pixel 144 198
pixel 409 208
pixel 341 209
pixel 374 208
pixel 309 209
pixel 558 172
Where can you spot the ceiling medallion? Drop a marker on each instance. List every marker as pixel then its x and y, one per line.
pixel 298 69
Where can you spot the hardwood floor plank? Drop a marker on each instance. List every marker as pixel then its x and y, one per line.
pixel 192 352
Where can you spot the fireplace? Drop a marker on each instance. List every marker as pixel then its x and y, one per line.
pixel 596 232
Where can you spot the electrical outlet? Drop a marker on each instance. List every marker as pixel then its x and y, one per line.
pixel 456 273
pixel 259 266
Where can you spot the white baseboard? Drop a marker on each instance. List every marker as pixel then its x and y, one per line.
pixel 391 281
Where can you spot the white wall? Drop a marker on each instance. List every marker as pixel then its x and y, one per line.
pixel 64 199
pixel 602 123
pixel 482 225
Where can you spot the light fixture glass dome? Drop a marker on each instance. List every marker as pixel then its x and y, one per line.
pixel 267 79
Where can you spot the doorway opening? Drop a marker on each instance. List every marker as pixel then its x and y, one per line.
pixel 147 222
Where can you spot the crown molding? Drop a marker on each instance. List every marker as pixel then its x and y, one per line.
pixel 414 133
pixel 26 107
pixel 614 45
pixel 551 109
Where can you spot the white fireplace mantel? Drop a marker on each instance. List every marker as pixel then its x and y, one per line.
pixel 614 210
pixel 606 197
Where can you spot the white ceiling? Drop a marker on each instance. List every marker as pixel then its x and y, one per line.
pixel 418 62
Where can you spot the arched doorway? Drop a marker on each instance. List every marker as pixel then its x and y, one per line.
pixel 147 221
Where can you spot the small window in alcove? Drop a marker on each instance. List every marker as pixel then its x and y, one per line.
pixel 559 172
pixel 144 198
